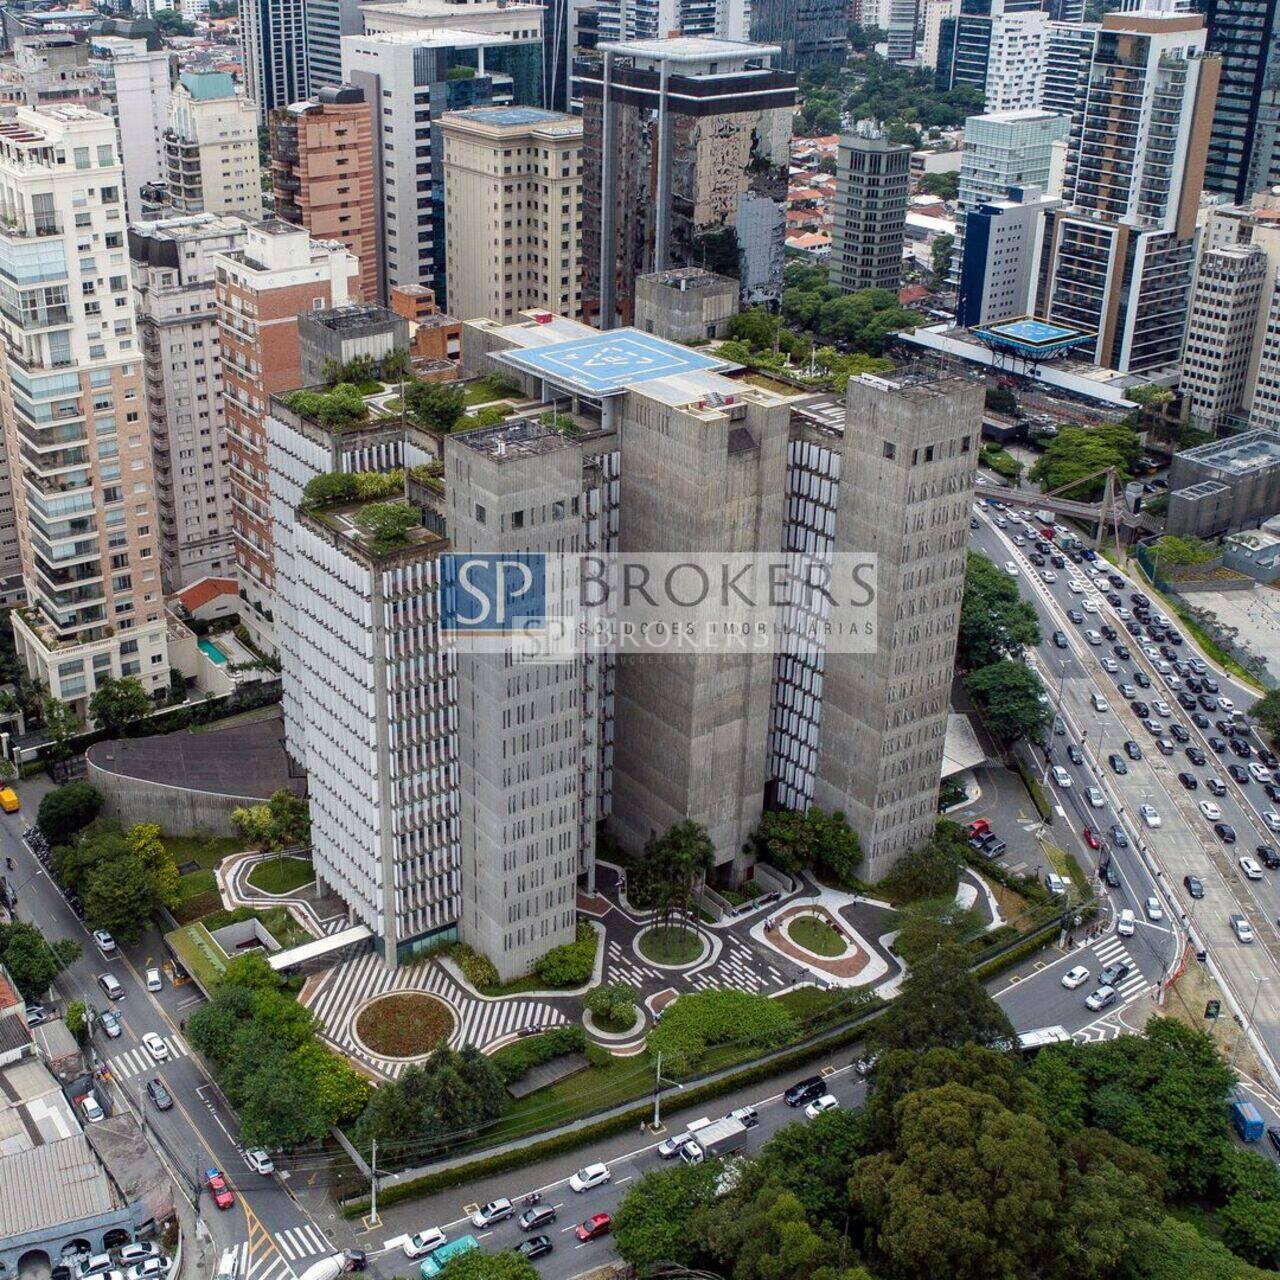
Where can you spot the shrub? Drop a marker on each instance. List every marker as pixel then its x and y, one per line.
pixel 931 871
pixel 614 1003
pixel 478 969
pixel 572 964
pixel 517 1059
pixel 343 406
pixel 692 1024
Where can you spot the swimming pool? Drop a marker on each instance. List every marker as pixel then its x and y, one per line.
pixel 212 652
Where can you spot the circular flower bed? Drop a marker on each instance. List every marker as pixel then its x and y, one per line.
pixel 671 945
pixel 405 1024
pixel 816 935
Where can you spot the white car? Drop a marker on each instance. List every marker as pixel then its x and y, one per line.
pixel 155 1046
pixel 828 1102
pixel 1075 977
pixel 1149 815
pixel 1161 709
pixel 1125 923
pixel 1076 587
pixel 1010 568
pixel 1061 776
pixel 105 942
pixel 139 1251
pixel 1259 772
pixel 1093 637
pixel 154 981
pixel 1151 651
pixel 1124 615
pixel 1019 540
pixel 1089 604
pixel 1111 665
pixel 93 1112
pixel 1153 908
pixel 1250 868
pixel 259 1161
pixel 1272 819
pixel 1242 928
pixel 422 1243
pixel 495 1211
pixel 1048 575
pixel 1226 704
pixel 148 1269
pixel 594 1175
pixel 1096 798
pixel 1210 810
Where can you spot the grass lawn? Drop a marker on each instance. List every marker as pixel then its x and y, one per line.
pixel 670 944
pixel 516 987
pixel 198 954
pixel 208 851
pixel 199 896
pixel 482 390
pixel 282 875
pixel 405 1025
pixel 816 935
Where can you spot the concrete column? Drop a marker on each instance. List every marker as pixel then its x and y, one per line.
pixel 662 231
pixel 608 202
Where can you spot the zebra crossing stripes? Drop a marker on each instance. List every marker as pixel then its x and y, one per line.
pixel 1112 949
pixel 301 1242
pixel 132 1062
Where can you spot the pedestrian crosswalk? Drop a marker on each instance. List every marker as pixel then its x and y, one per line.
pixel 283 1255
pixel 1112 950
pixel 133 1062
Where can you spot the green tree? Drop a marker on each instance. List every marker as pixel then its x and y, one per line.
pixel 436 405
pixel 387 524
pixel 290 818
pixel 756 327
pixel 144 840
pixel 118 703
pixel 995 621
pixel 812 1161
pixel 253 823
pixel 31 960
pixel 651 1225
pixel 811 840
pixel 676 861
pixel 1172 550
pixel 1078 452
pixel 615 1002
pixel 1266 713
pixel 1012 700
pixel 281 1108
pixel 940 255
pixel 340 1091
pixel 119 897
pixel 61 724
pixel 250 971
pixel 944 185
pixel 77 1020
pixel 932 870
pixel 476 1265
pixel 771 1238
pixel 66 811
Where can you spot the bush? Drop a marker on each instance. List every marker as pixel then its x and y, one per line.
pixel 931 871
pixel 613 1004
pixel 343 406
pixel 572 964
pixel 478 969
pixel 66 811
pixel 515 1060
pixel 692 1024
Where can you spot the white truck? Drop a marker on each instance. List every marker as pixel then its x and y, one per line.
pixel 338 1264
pixel 719 1138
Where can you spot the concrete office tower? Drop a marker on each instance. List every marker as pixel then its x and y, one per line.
pixel 339 335
pixel 513 211
pixel 686 304
pixel 48 70
pixel 901 19
pixel 933 12
pixel 327 21
pixel 1221 327
pixel 908 458
pixel 261 289
pixel 1123 248
pixel 808 32
pixel 873 178
pixel 408 74
pixel 135 85
pixel 211 148
pixel 172 263
pixel 322 172
pixel 692 730
pixel 997 47
pixel 517 488
pixel 273 48
pixel 75 420
pixel 675 132
pixel 1004 249
pixel 628 20
pixel 1068 52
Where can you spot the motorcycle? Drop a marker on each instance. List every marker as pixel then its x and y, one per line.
pixel 534 1197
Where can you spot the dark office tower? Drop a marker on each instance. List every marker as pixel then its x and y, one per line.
pixel 1246 120
pixel 809 32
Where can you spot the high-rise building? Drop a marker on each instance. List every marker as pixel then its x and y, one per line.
pixel 998 47
pixel 628 20
pixel 322 170
pixel 173 288
pixel 933 12
pixel 1124 245
pixel 407 72
pixel 901 22
pixel 677 135
pixel 135 87
pixel 513 211
pixel 273 49
pixel 74 412
pixel 327 21
pixel 211 148
pixel 1068 51
pixel 808 32
pixel 261 288
pixel 1003 251
pixel 873 179
pixel 864 732
pixel 50 69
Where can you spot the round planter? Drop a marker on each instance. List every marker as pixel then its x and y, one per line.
pixel 401 995
pixel 704 949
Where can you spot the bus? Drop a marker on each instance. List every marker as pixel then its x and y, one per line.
pixel 434 1263
pixel 1031 1042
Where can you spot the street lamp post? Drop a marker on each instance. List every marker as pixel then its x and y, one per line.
pixel 1258 980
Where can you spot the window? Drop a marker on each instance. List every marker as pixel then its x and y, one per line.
pixel 481 515
pixel 890 450
pixel 517 519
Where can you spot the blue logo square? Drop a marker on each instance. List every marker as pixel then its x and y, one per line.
pixel 491 593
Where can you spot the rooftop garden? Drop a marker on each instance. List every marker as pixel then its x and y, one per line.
pixel 386 525
pixel 352 486
pixel 342 406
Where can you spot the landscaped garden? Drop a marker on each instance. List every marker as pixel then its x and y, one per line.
pixel 196 857
pixel 281 875
pixel 816 935
pixel 670 944
pixel 406 1024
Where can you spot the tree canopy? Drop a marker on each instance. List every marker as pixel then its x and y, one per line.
pixel 861 321
pixel 64 811
pixel 32 961
pixel 1077 451
pixel 118 703
pixel 1009 695
pixel 995 621
pixel 813 840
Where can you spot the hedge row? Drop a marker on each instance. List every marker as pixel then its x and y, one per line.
pixel 516 1059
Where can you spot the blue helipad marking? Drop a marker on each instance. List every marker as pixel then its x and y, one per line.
pixel 1035 331
pixel 611 361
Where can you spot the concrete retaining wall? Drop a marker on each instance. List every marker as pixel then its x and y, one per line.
pixel 178 811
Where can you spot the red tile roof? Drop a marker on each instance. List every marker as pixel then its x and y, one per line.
pixel 199 594
pixel 912 293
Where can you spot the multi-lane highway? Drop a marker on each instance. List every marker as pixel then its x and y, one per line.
pixel 1138 686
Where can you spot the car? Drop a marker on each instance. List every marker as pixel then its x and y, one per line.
pixel 1195 755
pixel 1237 774
pixel 154 981
pixel 599 1224
pixel 1091 838
pixel 1089 604
pixel 541 1215
pixel 104 942
pixel 1241 927
pixel 590 1177
pixel 1116 972
pixel 139 1251
pixel 148 1269
pixel 1010 568
pixel 1132 750
pixel 1207 701
pixel 828 1102
pixel 1189 781
pixel 1117 763
pixel 1150 815
pixel 217 1184
pixel 1075 977
pixel 159 1094
pixel 1140 709
pixel 1118 837
pixel 155 1046
pixel 110 1023
pixel 1269 758
pixel 1076 587
pixel 1111 665
pixel 1074 754
pixel 747 1117
pixel 1059 726
pixel 534 1247
pixel 258 1160
pixel 1048 574
pixel 1216 786
pixel 1272 792
pixel 1125 923
pixel 1061 776
pixel 92 1109
pixel 1268 857
pixel 1225 832
pixel 99 1264
pixel 1093 637
pixel 1259 772
pixel 1210 683
pixel 1162 709
pixel 422 1243
pixel 1242 749
pixel 805 1091
pixel 110 986
pixel 1102 998
pixel 1218 745
pixel 1199 719
pixel 1193 886
pixel 1095 797
pixel 1179 733
pixel 1121 651
pixel 487 1215
pixel 1074 615
pixel 1250 868
pixel 35 1014
pixel 1142 680
pixel 1153 908
pixel 1110 874
pixel 1060 639
pixel 1209 809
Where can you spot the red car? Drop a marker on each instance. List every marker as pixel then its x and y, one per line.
pixel 599 1224
pixel 979 827
pixel 1091 838
pixel 222 1196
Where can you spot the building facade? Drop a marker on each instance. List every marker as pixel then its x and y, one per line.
pixel 873 179
pixel 71 382
pixel 273 51
pixel 211 148
pixel 173 268
pixel 327 21
pixel 1002 257
pixel 513 211
pixel 626 20
pixel 809 32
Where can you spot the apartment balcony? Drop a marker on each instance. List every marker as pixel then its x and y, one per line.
pixel 14 227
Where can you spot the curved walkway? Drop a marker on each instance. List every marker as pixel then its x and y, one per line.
pixel 233 874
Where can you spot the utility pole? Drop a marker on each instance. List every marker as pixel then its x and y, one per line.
pixel 373 1186
pixel 657 1093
